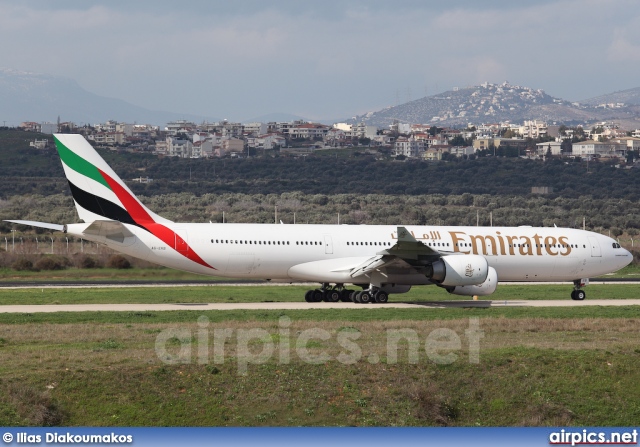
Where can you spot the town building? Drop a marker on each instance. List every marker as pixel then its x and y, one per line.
pixel 591 148
pixel 555 146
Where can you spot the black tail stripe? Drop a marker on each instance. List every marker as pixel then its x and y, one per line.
pixel 100 206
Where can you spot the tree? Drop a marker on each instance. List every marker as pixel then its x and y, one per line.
pixel 458 140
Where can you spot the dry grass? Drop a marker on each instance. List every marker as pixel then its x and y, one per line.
pixel 104 374
pixel 95 346
pixel 34 406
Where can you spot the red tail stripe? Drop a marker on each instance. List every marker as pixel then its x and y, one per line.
pixel 135 208
pixel 142 217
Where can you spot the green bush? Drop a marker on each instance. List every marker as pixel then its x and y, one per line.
pixel 88 262
pixel 118 262
pixel 51 263
pixel 22 265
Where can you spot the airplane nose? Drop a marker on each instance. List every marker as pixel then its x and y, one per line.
pixel 626 257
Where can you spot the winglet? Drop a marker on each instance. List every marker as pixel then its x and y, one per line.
pixel 405 236
pixel 408 247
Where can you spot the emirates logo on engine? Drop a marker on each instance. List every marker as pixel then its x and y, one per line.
pixel 468 271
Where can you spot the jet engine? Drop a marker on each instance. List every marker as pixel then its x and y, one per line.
pixel 484 289
pixel 462 270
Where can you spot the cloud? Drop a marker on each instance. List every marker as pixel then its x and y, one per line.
pixel 623 50
pixel 321 59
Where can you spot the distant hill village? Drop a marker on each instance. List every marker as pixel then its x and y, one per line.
pixel 532 138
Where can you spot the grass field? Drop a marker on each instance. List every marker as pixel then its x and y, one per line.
pixel 258 293
pixel 163 274
pixel 536 366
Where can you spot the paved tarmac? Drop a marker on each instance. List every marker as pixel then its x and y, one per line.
pixel 25 308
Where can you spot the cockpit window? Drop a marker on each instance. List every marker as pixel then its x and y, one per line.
pixel 616 245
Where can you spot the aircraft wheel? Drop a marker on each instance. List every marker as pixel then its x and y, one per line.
pixel 356 297
pixel 332 296
pixel 578 295
pixel 365 297
pixel 381 296
pixel 345 295
pixel 317 296
pixel 308 297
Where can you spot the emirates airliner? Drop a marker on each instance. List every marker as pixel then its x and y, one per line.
pixel 377 260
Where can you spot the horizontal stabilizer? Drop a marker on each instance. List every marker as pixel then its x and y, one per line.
pixel 31 223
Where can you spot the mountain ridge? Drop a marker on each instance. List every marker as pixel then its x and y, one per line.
pixel 490 102
pixel 28 96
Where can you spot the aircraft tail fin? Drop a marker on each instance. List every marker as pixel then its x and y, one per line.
pixel 98 192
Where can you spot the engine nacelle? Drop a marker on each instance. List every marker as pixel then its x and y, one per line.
pixel 484 289
pixel 462 270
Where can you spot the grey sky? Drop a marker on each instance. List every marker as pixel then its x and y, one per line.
pixel 322 60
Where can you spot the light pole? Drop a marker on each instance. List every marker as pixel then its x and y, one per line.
pixel 67 244
pixel 13 240
pixel 37 245
pixel 51 245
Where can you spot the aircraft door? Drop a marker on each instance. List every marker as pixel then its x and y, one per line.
pixel 182 241
pixel 328 244
pixel 595 247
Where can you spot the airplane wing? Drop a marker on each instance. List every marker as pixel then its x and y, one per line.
pixel 407 253
pixel 406 256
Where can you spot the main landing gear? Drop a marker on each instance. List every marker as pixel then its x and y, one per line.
pixel 577 294
pixel 340 293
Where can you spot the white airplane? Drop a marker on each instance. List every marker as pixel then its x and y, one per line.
pixel 378 259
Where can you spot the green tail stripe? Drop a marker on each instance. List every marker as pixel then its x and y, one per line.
pixel 79 164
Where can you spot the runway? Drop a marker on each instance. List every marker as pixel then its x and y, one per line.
pixel 49 308
pixel 9 285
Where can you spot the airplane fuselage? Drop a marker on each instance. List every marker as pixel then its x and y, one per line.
pixel 269 251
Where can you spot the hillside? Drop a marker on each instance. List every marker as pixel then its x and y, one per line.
pixel 489 103
pixel 30 171
pixel 40 97
pixel 628 97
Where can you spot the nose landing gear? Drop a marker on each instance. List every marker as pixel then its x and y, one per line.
pixel 577 294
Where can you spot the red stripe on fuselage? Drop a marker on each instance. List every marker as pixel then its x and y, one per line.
pixel 142 218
